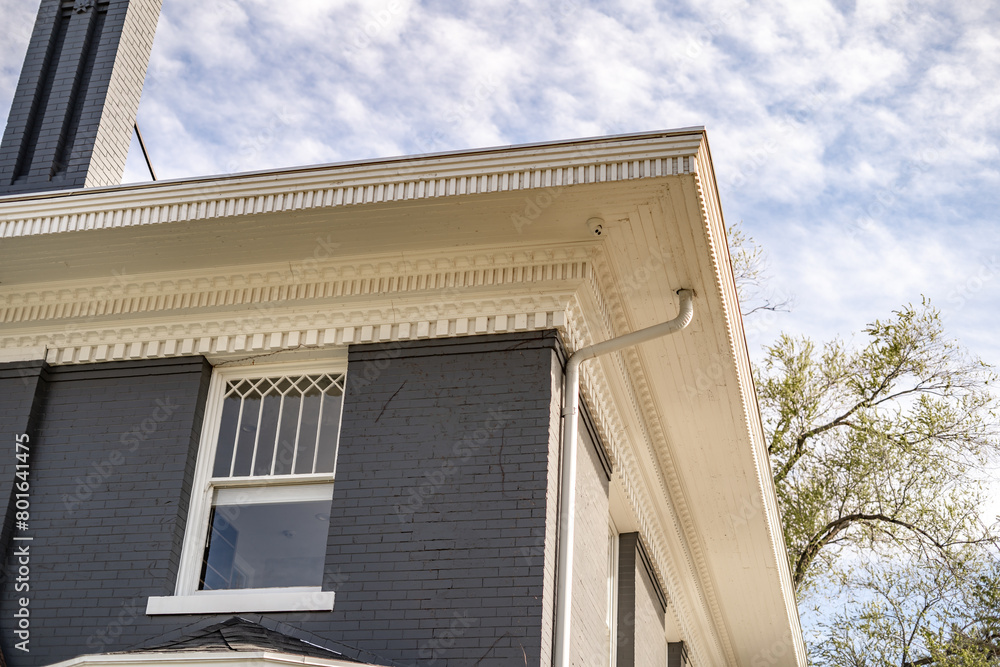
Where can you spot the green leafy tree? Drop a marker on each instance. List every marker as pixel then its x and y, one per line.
pixel 878 448
pixel 909 612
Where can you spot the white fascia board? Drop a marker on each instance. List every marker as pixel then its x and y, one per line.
pixel 552 147
pixel 201 659
pixel 624 158
pixel 745 396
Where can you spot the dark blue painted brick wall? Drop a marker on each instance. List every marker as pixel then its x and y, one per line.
pixel 111 461
pixel 440 489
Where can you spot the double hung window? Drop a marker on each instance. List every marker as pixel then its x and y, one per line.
pixel 260 510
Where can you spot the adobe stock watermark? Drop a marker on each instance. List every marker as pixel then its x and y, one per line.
pixel 748 510
pixel 262 313
pixel 760 155
pixel 482 90
pixel 462 451
pixel 28 376
pixel 21 557
pixel 639 276
pixel 114 629
pixel 713 28
pixel 541 197
pixel 371 26
pixel 967 290
pixel 116 286
pixel 130 442
pixel 324 250
pixel 535 547
pixel 645 617
pixel 887 196
pixel 371 369
pixel 311 605
pixel 251 146
pixel 775 653
pixel 534 206
pixel 707 378
pixel 433 650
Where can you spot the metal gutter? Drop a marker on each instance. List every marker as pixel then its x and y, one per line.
pixel 567 493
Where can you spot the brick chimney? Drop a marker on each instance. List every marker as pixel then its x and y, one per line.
pixel 73 113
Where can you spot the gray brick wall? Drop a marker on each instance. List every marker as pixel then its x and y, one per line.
pixel 443 482
pixel 71 120
pixel 111 463
pixel 545 546
pixel 21 389
pixel 650 640
pixel 442 536
pixel 22 394
pixel 442 479
pixel 640 635
pixel 677 655
pixel 589 625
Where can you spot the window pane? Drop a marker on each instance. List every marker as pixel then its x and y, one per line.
pixel 268 430
pixel 306 449
pixel 218 570
pixel 227 436
pixel 329 430
pixel 266 545
pixel 286 435
pixel 247 435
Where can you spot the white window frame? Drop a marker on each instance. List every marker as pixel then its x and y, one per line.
pixel 187 598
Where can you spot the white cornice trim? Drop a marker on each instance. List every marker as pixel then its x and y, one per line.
pixel 262 311
pixel 259 311
pixel 637 405
pixel 269 285
pixel 711 212
pixel 501 170
pixel 231 345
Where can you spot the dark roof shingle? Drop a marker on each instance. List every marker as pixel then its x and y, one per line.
pixel 239 634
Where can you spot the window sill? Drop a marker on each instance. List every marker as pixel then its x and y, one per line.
pixel 226 602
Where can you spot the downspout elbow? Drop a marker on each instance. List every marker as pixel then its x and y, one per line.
pixel 571 407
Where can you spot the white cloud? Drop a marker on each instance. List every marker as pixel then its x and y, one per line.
pixel 18 17
pixel 858 142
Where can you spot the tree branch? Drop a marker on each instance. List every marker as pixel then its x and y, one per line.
pixel 834 528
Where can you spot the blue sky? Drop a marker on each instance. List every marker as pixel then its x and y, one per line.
pixel 857 142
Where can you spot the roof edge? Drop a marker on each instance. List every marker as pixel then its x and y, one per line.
pixel 300 169
pixel 390 180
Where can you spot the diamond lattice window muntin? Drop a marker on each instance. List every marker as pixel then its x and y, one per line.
pixel 279 426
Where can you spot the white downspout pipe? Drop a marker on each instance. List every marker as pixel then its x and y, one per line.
pixel 567 493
